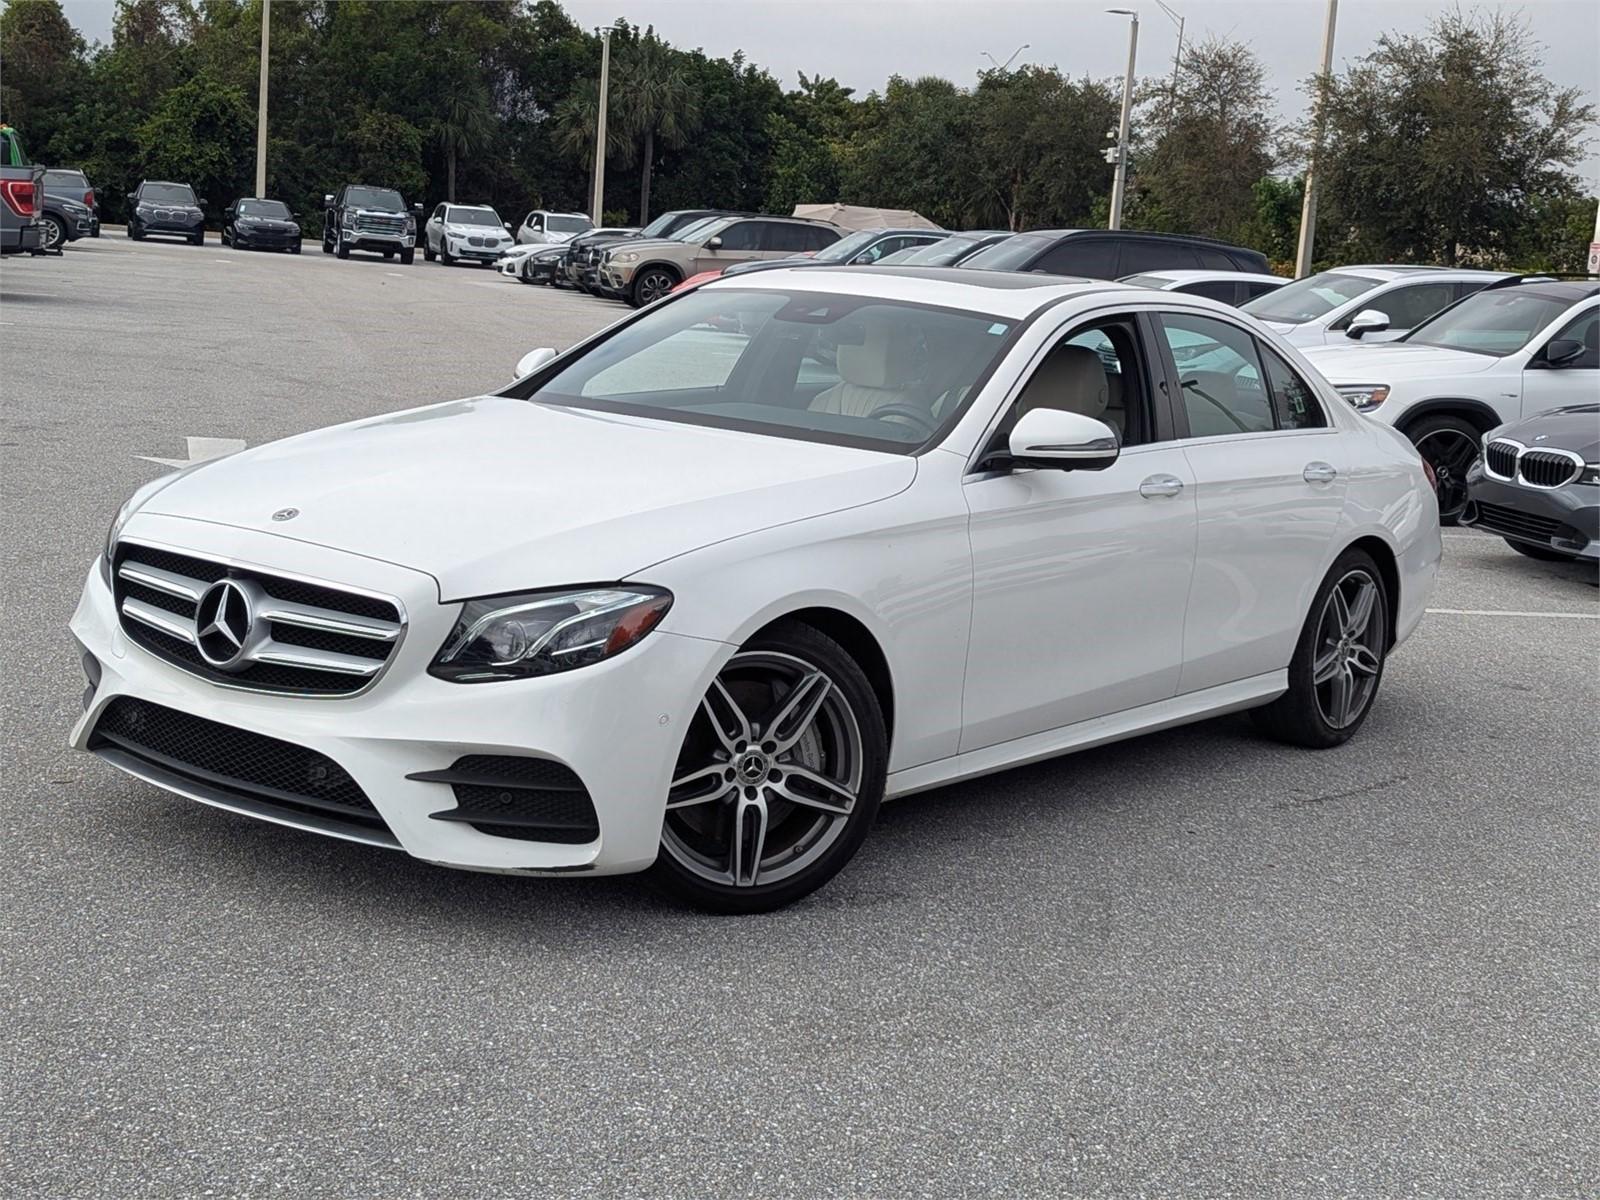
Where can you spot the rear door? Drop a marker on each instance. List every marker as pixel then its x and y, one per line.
pixel 1270 477
pixel 1089 257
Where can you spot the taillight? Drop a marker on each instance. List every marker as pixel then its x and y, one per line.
pixel 88 197
pixel 18 195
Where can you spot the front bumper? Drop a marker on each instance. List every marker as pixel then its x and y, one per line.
pixel 1566 519
pixel 618 725
pixel 269 239
pixel 186 226
pixel 462 250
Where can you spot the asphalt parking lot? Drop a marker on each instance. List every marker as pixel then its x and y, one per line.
pixel 1195 964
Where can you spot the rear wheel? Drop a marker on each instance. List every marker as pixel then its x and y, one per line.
pixel 1338 662
pixel 779 779
pixel 55 232
pixel 1450 445
pixel 1542 553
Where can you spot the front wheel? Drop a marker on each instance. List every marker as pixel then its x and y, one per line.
pixel 1450 446
pixel 779 779
pixel 427 251
pixel 445 256
pixel 295 249
pixel 341 248
pixel 651 285
pixel 1338 662
pixel 408 256
pixel 197 239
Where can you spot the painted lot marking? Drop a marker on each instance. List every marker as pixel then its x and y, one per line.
pixel 1504 612
pixel 200 449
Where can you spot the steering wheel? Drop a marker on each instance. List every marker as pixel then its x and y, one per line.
pixel 909 413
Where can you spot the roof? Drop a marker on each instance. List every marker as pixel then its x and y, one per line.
pixel 1195 276
pixel 1569 291
pixel 1385 272
pixel 852 217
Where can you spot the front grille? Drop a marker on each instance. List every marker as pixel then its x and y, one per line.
pixel 1499 519
pixel 268 772
pixel 294 636
pixel 370 223
pixel 530 799
pixel 1500 459
pixel 1547 469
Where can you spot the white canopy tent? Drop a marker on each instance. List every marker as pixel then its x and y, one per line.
pixel 848 216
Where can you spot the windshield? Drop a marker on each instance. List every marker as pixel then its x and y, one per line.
pixel 1309 298
pixel 472 216
pixel 556 224
pixel 369 197
pixel 662 224
pixel 845 370
pixel 944 253
pixel 276 209
pixel 1010 255
pixel 847 248
pixel 697 229
pixel 65 179
pixel 1493 323
pixel 167 193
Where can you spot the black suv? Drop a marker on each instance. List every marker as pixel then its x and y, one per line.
pixel 1112 254
pixel 362 217
pixel 166 208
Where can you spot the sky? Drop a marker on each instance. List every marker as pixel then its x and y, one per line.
pixel 863 42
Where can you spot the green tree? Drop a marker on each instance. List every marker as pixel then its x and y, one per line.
pixel 1439 147
pixel 464 124
pixel 810 135
pixel 201 134
pixel 655 102
pixel 386 151
pixel 44 67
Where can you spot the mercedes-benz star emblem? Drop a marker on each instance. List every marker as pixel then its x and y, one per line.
pixel 222 622
pixel 286 514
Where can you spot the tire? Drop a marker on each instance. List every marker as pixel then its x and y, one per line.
pixel 1542 553
pixel 135 234
pixel 55 232
pixel 198 239
pixel 444 254
pixel 408 256
pixel 1450 445
pixel 327 246
pixel 650 285
pixel 295 249
pixel 1310 713
pixel 427 251
pixel 817 821
pixel 341 248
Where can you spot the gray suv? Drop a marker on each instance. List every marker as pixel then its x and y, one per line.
pixel 641 271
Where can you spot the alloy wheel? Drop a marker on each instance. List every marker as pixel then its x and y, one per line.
pixel 653 286
pixel 55 234
pixel 1349 649
pixel 1451 453
pixel 770 773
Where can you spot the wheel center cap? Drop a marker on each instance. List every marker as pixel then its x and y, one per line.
pixel 751 766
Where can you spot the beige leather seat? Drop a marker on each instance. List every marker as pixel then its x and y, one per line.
pixel 880 370
pixel 1072 379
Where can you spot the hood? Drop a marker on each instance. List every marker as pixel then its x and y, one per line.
pixel 493 495
pixel 1575 428
pixel 653 244
pixel 1388 361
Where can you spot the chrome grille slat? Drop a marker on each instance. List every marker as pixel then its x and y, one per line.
pixel 159 619
pixel 169 582
pixel 293 645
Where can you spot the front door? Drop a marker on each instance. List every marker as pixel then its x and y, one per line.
pixel 1080 577
pixel 1576 381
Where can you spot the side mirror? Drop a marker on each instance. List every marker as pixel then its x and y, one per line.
pixel 532 361
pixel 1558 352
pixel 1368 320
pixel 201 203
pixel 510 228
pixel 417 209
pixel 715 243
pixel 327 202
pixel 1067 441
pixel 133 197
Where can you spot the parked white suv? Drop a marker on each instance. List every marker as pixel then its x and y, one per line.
pixel 464 233
pixel 1347 305
pixel 544 228
pixel 1516 348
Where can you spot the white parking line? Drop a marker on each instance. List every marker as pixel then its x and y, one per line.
pixel 1505 612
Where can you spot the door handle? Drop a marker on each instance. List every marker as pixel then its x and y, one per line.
pixel 1319 472
pixel 1160 485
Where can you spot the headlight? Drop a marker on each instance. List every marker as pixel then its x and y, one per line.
pixel 626 257
pixel 1364 397
pixel 114 531
pixel 1589 474
pixel 541 633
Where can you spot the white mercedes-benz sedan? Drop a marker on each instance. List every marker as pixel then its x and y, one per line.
pixel 699 593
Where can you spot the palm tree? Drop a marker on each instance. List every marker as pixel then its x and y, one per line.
pixel 575 120
pixel 656 101
pixel 464 125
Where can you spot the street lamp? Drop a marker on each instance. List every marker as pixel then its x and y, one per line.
pixel 598 213
pixel 1120 185
pixel 1003 67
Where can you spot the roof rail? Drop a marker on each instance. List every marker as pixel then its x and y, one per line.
pixel 1540 277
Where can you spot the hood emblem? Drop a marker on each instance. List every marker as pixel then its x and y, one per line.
pixel 286 514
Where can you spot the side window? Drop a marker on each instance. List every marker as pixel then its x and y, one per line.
pixel 1224 290
pixel 742 235
pixel 438 213
pixel 1140 255
pixel 1220 374
pixel 1092 258
pixel 1096 370
pixel 818 238
pixel 1584 328
pixel 1214 260
pixel 785 238
pixel 1292 398
pixel 1252 290
pixel 535 221
pixel 1409 307
pixel 1467 287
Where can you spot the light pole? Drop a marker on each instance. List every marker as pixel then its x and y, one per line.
pixel 1308 208
pixel 1177 57
pixel 261 104
pixel 600 131
pixel 1005 66
pixel 1120 184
